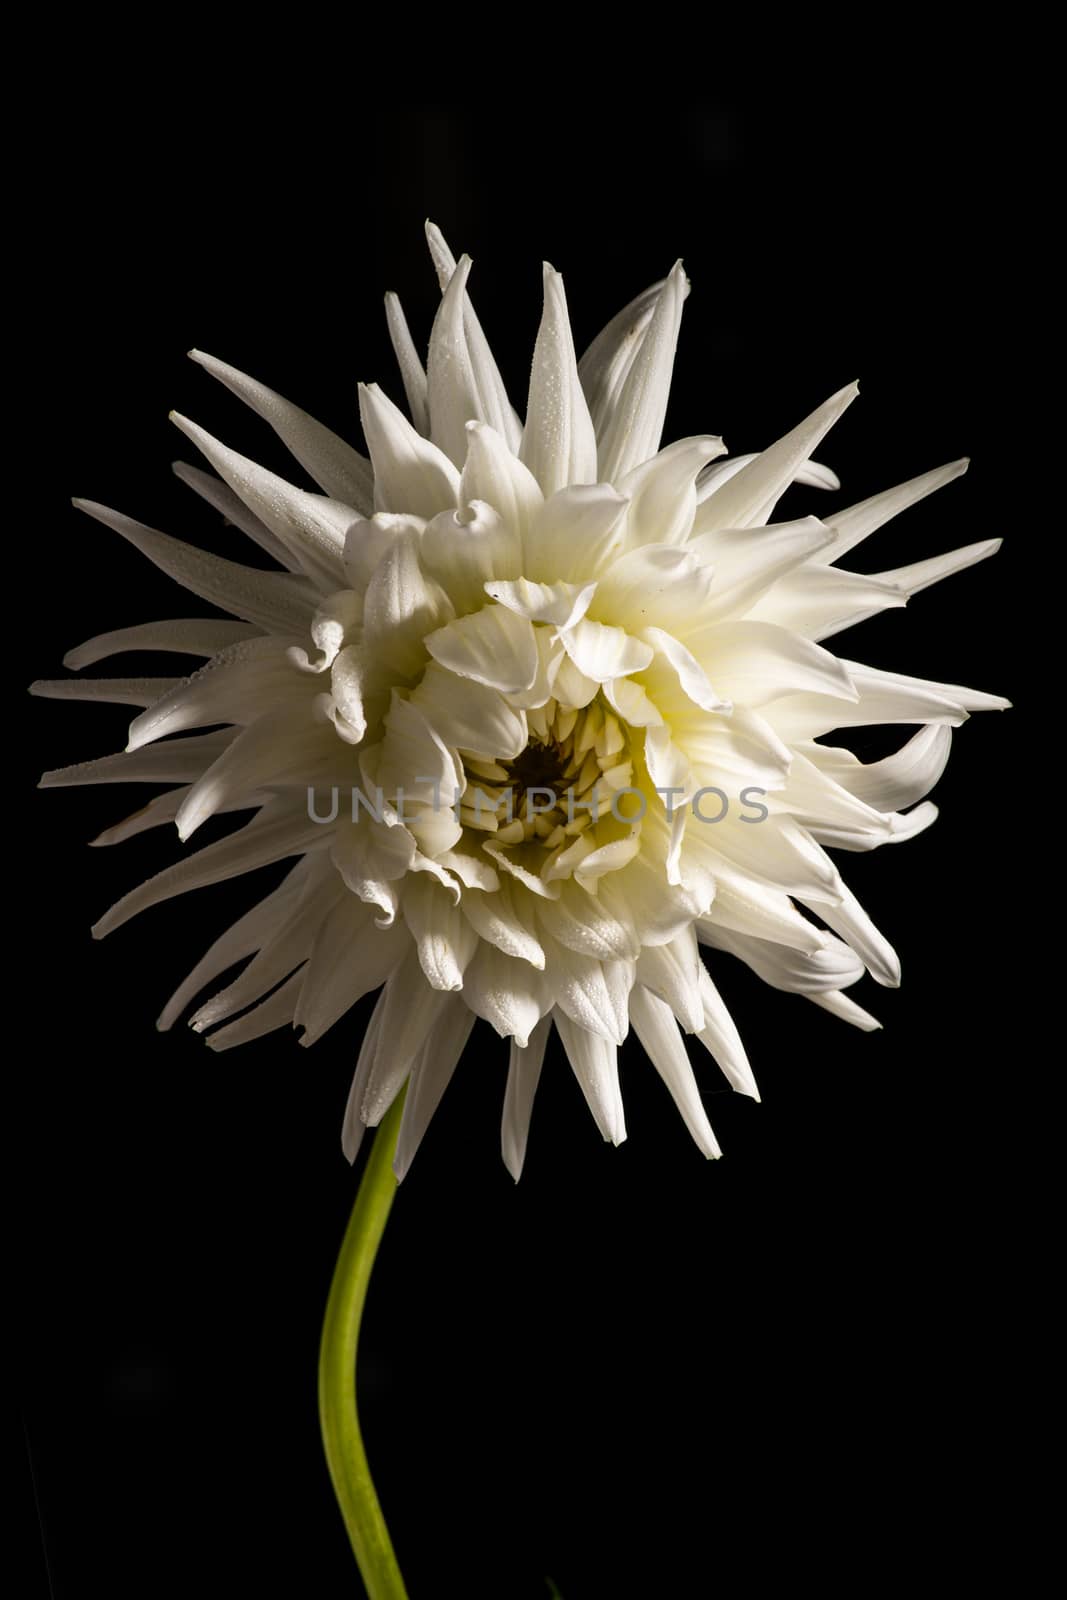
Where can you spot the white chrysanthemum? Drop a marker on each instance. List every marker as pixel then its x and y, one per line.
pixel 568 634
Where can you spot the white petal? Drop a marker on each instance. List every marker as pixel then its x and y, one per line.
pixel 197 636
pixel 491 646
pixel 338 469
pixel 494 403
pixel 410 474
pixel 561 604
pixel 604 366
pixel 233 511
pixel 848 918
pixel 250 933
pixel 558 442
pixel 754 663
pixel 580 922
pixel 445 939
pixel 275 601
pixel 721 1039
pixel 859 521
pixel 497 918
pixel 748 906
pixel 407 359
pixel 592 992
pixel 452 389
pixel 278 957
pixel 411 1014
pixel 685 669
pixel 110 691
pixel 524 1073
pixel 656 583
pixel 596 1067
pixel 274 833
pixel 470 716
pixel 632 433
pixel 896 781
pixel 921 574
pixel 749 561
pixel 574 535
pixel 835 966
pixel 401 606
pixel 511 995
pixel 277 749
pixel 239 685
pixel 176 761
pixel 662 491
pixel 430 1077
pixel 602 652
pixel 311 526
pixel 369 540
pixel 839 1005
pixel 466 549
pixel 750 495
pixel 655 1026
pixel 493 474
pixel 274 1012
pixel 817 601
pixel 672 971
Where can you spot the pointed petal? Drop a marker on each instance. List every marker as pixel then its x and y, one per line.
pixel 595 1064
pixel 632 433
pixel 445 940
pixel 662 492
pixel 111 691
pixel 276 749
pixel 511 995
pixel 605 365
pixel 274 601
pixel 574 534
pixel 524 1073
pixel 755 663
pixel 407 359
pixel 853 525
pixel 602 652
pixel 494 403
pixel 177 761
pixel 247 935
pixel 747 498
pixel 410 474
pixel 493 474
pixel 492 646
pixel 401 606
pixel 274 833
pixel 921 574
pixel 233 511
pixel 339 470
pixel 839 1005
pixel 239 685
pixel 197 636
pixel 722 1041
pixel 898 780
pixel 350 957
pixel 558 442
pixel 311 526
pixel 657 1030
pixel 430 1077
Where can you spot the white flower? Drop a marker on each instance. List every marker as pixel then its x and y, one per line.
pixel 486 609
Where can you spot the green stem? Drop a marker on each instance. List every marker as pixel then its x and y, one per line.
pixel 338 1417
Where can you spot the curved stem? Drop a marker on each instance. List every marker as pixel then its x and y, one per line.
pixel 343 1441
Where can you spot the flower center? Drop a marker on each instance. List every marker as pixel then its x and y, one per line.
pixel 575 763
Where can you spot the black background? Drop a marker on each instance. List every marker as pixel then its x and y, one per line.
pixel 633 1362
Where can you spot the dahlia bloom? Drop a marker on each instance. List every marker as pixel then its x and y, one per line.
pixel 538 709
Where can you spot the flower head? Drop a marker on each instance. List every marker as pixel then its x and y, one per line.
pixel 538 708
